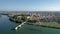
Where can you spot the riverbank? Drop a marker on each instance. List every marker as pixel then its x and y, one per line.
pixel 47 24
pixel 43 24
pixel 22 18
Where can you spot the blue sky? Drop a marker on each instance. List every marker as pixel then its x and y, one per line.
pixel 30 5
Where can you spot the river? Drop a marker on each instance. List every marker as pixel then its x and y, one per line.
pixel 6 27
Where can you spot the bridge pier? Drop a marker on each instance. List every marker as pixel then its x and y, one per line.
pixel 19 26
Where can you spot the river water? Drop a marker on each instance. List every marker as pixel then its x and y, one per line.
pixel 6 27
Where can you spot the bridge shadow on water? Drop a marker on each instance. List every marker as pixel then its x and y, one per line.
pixel 32 29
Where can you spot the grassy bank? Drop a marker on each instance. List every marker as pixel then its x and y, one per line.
pixel 47 24
pixel 52 24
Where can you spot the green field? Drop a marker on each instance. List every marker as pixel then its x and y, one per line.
pixel 51 24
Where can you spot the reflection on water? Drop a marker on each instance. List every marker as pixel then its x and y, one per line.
pixel 7 27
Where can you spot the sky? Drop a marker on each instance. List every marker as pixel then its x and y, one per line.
pixel 30 5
